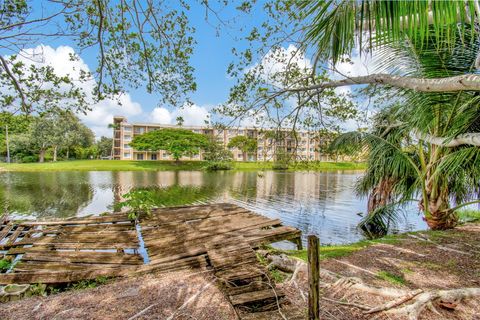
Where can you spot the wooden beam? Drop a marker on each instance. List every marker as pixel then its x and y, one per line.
pixel 313 278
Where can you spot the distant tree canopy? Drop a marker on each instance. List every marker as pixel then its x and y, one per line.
pixel 244 143
pixel 178 142
pixel 16 124
pixel 56 131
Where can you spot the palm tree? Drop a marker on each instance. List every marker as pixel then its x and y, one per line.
pixel 337 27
pixel 416 149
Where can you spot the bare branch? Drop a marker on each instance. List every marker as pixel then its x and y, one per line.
pixel 472 139
pixel 468 82
pixel 16 84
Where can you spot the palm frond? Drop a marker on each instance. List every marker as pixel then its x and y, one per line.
pixel 336 27
pixel 378 222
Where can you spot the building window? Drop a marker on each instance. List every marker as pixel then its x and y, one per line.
pixel 240 131
pixel 140 156
pixel 165 155
pixel 154 156
pixel 139 130
pixel 126 146
pixel 126 155
pixel 127 137
pixel 127 128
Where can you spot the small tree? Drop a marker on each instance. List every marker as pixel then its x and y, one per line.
pixel 178 142
pixel 217 156
pixel 245 144
pixel 104 146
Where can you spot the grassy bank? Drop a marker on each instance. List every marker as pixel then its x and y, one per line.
pixel 124 165
pixel 338 251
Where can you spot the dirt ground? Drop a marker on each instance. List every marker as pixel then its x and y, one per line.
pixel 173 296
pixel 429 261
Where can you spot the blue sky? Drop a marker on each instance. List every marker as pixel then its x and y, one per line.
pixel 211 56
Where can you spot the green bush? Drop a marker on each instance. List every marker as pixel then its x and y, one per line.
pixel 218 165
pixel 5 265
pixel 280 165
pixel 29 159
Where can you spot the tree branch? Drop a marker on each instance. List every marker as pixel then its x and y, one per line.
pixel 472 138
pixel 15 83
pixel 468 82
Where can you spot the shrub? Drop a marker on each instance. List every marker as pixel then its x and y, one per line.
pixel 28 159
pixel 218 165
pixel 280 165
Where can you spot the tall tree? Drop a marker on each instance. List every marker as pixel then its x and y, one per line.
pixel 424 146
pixel 245 144
pixel 136 43
pixel 178 142
pixel 105 146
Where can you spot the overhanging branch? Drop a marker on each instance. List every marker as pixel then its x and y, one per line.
pixel 472 139
pixel 467 82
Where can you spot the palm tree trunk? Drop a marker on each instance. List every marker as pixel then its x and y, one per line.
pixel 380 195
pixel 440 216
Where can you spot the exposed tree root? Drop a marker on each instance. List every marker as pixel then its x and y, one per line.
pixel 445 298
pixel 403 303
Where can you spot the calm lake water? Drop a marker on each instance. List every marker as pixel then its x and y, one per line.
pixel 321 203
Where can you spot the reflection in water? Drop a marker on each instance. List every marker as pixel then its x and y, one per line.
pixel 321 203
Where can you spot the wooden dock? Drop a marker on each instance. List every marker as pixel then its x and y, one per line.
pixel 221 237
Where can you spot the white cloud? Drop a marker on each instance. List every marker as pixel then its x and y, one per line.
pixel 277 60
pixel 101 113
pixel 192 114
pixel 161 115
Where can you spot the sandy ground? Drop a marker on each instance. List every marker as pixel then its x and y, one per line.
pixel 448 260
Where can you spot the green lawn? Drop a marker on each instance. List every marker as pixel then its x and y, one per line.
pixel 124 165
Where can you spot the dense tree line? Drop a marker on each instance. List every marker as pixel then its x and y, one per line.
pixel 49 137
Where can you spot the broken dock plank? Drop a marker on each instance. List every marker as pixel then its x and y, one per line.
pixel 217 237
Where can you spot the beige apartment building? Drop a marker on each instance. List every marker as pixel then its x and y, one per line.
pixel 304 147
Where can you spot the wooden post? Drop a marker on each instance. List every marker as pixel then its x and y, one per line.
pixel 313 278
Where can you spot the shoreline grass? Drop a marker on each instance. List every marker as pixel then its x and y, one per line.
pixel 329 251
pixel 468 215
pixel 127 165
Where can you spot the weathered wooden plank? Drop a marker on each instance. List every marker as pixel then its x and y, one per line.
pixel 240 273
pixel 250 287
pixel 28 266
pixel 153 237
pixel 15 235
pixel 83 257
pixel 73 246
pixel 6 229
pixel 170 256
pixel 86 221
pixel 160 266
pixel 79 238
pixel 89 228
pixel 63 276
pixel 266 236
pixel 255 296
